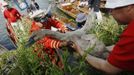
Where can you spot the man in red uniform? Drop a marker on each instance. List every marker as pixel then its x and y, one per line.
pixel 49 43
pixel 13 18
pixel 121 57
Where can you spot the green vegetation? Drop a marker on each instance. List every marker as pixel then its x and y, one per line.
pixel 24 61
pixel 108 31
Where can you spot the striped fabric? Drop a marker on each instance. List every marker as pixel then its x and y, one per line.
pixel 48 42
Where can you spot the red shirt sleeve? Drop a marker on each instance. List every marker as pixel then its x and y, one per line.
pixel 122 55
pixel 17 13
pixel 57 24
pixel 50 42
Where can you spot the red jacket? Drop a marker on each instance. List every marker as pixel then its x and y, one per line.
pixel 51 22
pixel 122 55
pixel 12 15
pixel 48 42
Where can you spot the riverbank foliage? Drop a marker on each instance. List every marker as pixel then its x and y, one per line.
pixel 24 61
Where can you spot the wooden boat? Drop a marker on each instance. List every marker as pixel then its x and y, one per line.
pixel 69 23
pixel 67 10
pixel 72 10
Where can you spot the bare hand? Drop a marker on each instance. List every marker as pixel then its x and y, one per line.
pixel 76 46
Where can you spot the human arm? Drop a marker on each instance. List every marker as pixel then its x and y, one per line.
pixel 97 63
pixel 6 17
pixel 35 26
pixel 17 13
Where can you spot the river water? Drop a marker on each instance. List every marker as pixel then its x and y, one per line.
pixel 4 40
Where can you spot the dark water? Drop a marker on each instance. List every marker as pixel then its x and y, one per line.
pixel 4 40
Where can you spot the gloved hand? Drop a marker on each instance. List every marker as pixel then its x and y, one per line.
pixel 30 42
pixel 37 35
